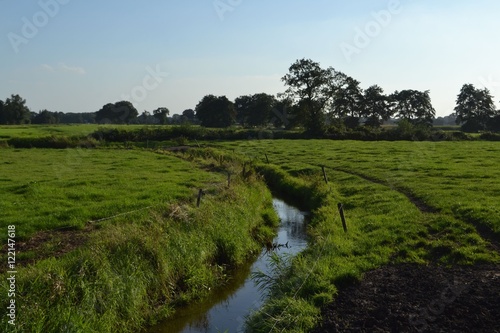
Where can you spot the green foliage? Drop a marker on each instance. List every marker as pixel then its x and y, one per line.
pixel 255 110
pixel 161 114
pixel 14 111
pixel 122 112
pixel 414 106
pixel 215 111
pixel 474 108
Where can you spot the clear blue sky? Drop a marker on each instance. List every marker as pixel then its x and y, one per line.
pixel 77 55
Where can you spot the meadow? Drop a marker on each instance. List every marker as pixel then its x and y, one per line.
pixel 419 202
pixel 46 189
pixel 112 239
pixel 405 202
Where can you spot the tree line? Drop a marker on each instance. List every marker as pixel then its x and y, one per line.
pixel 319 100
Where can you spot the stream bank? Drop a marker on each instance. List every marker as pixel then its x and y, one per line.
pixel 227 307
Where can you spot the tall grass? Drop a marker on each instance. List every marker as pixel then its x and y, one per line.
pixel 133 272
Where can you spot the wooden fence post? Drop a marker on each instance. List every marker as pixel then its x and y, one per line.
pixel 341 211
pixel 200 193
pixel 267 159
pixel 324 174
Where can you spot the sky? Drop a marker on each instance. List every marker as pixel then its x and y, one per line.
pixel 78 55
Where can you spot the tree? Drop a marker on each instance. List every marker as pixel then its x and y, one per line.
pixel 414 106
pixel 122 112
pixel 189 116
pixel 312 88
pixel 285 114
pixel 3 119
pixel 215 111
pixel 375 106
pixel 46 117
pixel 347 100
pixel 254 110
pixel 475 108
pixel 14 111
pixel 162 115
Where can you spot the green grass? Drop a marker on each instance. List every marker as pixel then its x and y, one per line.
pixel 137 268
pixel 37 131
pixel 48 189
pixel 458 180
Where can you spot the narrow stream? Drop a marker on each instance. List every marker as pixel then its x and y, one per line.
pixel 226 308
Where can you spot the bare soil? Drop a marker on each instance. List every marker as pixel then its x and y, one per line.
pixel 416 298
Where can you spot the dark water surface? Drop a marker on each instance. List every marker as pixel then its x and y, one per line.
pixel 226 308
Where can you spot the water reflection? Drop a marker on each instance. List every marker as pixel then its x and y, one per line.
pixel 227 307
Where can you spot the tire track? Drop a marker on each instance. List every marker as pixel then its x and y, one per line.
pixel 485 232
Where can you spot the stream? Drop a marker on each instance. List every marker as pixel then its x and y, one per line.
pixel 227 307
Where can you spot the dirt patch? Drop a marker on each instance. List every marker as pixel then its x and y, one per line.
pixel 416 298
pixel 46 244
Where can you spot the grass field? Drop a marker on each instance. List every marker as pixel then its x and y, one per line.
pixel 458 178
pixel 44 189
pixel 36 131
pixel 134 268
pixel 404 202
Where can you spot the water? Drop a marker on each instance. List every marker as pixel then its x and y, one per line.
pixel 226 308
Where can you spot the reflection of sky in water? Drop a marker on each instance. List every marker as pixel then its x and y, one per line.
pixel 227 308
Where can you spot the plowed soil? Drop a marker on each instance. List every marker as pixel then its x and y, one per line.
pixel 416 298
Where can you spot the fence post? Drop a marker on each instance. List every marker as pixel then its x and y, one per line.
pixel 267 159
pixel 200 193
pixel 228 179
pixel 341 211
pixel 324 174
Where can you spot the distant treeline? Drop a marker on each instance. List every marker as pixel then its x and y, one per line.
pixel 319 101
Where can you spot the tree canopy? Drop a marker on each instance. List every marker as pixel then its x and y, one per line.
pixel 375 106
pixel 414 106
pixel 475 108
pixel 214 111
pixel 14 111
pixel 162 115
pixel 122 112
pixel 254 110
pixel 312 88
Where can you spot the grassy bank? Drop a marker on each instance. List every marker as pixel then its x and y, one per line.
pixel 134 269
pixel 398 200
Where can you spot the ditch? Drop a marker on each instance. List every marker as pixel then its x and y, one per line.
pixel 227 307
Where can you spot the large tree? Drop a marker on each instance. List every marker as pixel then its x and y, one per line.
pixel 347 99
pixel 122 112
pixel 215 111
pixel 414 106
pixel 14 111
pixel 311 88
pixel 376 106
pixel 162 115
pixel 254 110
pixel 475 108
